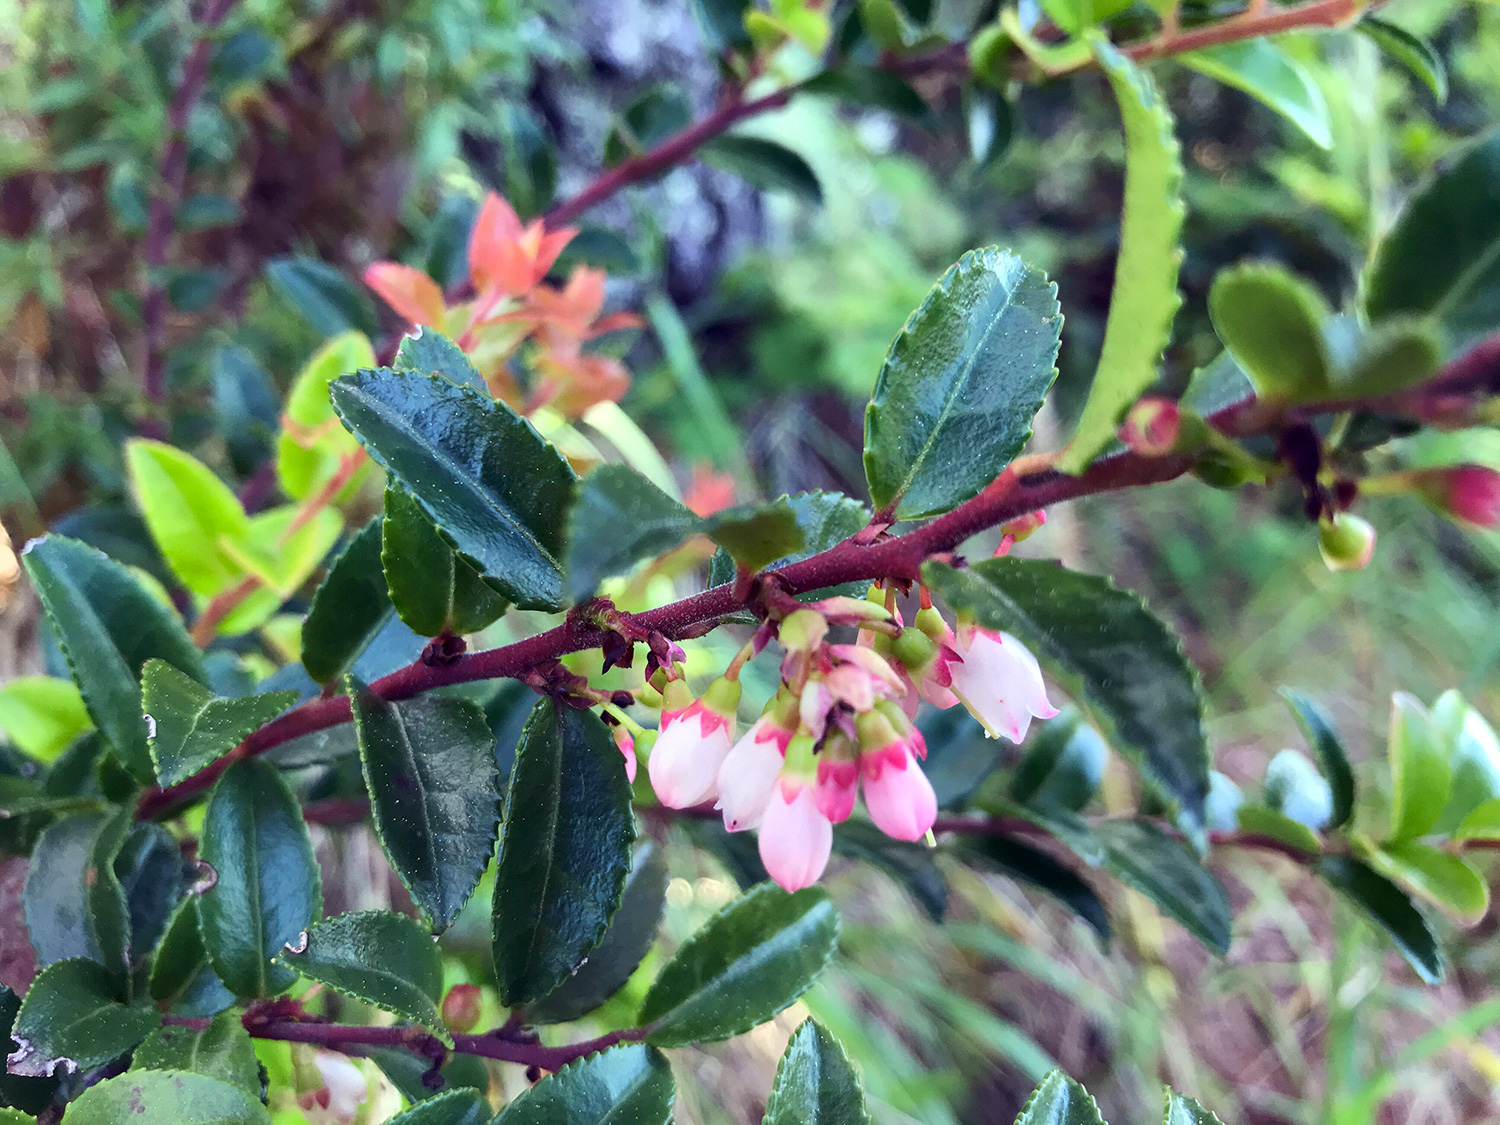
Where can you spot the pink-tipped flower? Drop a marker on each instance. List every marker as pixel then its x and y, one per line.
pixel 1467 492
pixel 749 772
pixel 339 1092
pixel 795 838
pixel 1000 682
pixel 626 742
pixel 898 795
pixel 695 739
pixel 837 782
pixel 1152 426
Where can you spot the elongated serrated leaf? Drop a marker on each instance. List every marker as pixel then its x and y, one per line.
pixel 42 715
pixel 1059 1101
pixel 349 609
pixel 267 886
pixel 429 766
pixel 630 934
pixel 815 1083
pixel 1442 878
pixel 75 1016
pixel 1421 772
pixel 1390 909
pixel 624 1084
pixel 757 535
pixel 1414 53
pixel 192 514
pixel 480 472
pixel 564 850
pixel 764 165
pixel 377 956
pixel 954 400
pixel 108 626
pixel 29 1094
pixel 433 588
pixel 1114 656
pixel 55 899
pixel 182 981
pixel 220 1050
pixel 312 445
pixel 744 965
pixel 321 294
pixel 1184 1111
pixel 1442 257
pixel 1167 872
pixel 189 728
pixel 1271 76
pixel 180 1097
pixel 108 912
pixel 1144 300
pixel 618 519
pixel 1028 864
pixel 452 1107
pixel 150 869
pixel 869 86
pixel 430 352
pixel 1317 727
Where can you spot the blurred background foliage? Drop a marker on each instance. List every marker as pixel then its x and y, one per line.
pixel 334 133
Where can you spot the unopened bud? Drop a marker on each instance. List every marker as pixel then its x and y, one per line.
pixel 462 1008
pixel 1152 426
pixel 851 611
pixel 1466 492
pixel 803 630
pixel 914 648
pixel 1346 541
pixel 1023 527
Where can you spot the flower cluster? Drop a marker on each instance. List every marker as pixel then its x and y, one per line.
pixel 840 724
pixel 514 308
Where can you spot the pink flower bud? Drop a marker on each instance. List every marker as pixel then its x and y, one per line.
pixel 1152 426
pixel 749 773
pixel 626 742
pixel 795 838
pixel 1000 682
pixel 1346 542
pixel 1467 492
pixel 898 796
pixel 339 1092
pixel 692 745
pixel 462 1007
pixel 837 783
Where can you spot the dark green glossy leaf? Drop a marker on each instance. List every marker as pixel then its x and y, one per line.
pixel 564 851
pixel 757 535
pixel 76 1016
pixel 647 121
pixel 480 472
pixel 108 626
pixel 109 913
pixel 1059 1101
pixel 630 934
pixel 1062 765
pixel 990 123
pixel 350 607
pixel 764 165
pixel 1185 1111
pixel 151 874
pixel 722 22
pixel 267 888
pixel 527 157
pixel 1144 299
pixel 631 1084
pixel 377 956
pixel 1028 864
pixel 1272 321
pixel 1442 258
pixel 954 401
pixel 455 1107
pixel 1410 51
pixel 1069 829
pixel 824 519
pixel 1166 871
pixel 220 1050
pixel 911 865
pixel 1317 728
pixel 429 352
pixel 1389 908
pixel 1440 877
pixel 407 1073
pixel 1112 654
pixel 55 897
pixel 28 1094
pixel 192 728
pixel 869 86
pixel 815 1083
pixel 429 767
pixel 247 405
pixel 744 965
pixel 167 1095
pixel 1271 76
pixel 321 295
pixel 1421 769
pixel 182 980
pixel 433 588
pixel 618 519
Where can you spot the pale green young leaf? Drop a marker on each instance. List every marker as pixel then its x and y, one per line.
pixel 312 443
pixel 1273 323
pixel 1421 771
pixel 1442 878
pixel 1269 75
pixel 192 514
pixel 1144 300
pixel 42 716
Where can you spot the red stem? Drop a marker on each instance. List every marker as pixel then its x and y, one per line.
pixel 1474 374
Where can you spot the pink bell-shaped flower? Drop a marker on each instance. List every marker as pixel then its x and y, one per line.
pixel 999 681
pixel 626 742
pixel 837 782
pixel 748 774
pixel 693 743
pixel 795 838
pixel 898 796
